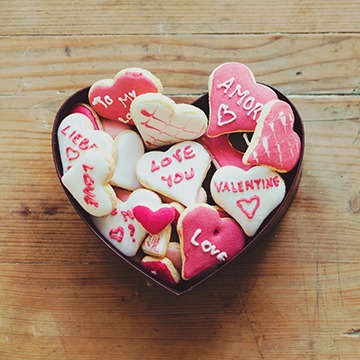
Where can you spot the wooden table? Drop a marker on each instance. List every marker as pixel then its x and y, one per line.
pixel 64 295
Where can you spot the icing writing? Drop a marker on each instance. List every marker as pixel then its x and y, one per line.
pixel 107 101
pixel 245 100
pixel 152 242
pixel 207 247
pixel 119 232
pixel 178 155
pixel 246 185
pixel 89 197
pixel 251 204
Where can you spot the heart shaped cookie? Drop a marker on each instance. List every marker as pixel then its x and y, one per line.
pixel 112 98
pixel 121 228
pixel 76 135
pixel 88 182
pixel 177 173
pixel 206 239
pixel 248 196
pixel 161 121
pixel 156 245
pixel 128 148
pixel 274 144
pixel 236 99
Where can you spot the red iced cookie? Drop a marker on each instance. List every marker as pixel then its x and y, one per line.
pixel 274 143
pixel 112 98
pixel 162 269
pixel 206 239
pixel 235 99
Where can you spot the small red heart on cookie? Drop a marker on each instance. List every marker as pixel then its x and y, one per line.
pixel 236 99
pixel 154 221
pixel 161 121
pixel 112 98
pixel 274 144
pixel 206 239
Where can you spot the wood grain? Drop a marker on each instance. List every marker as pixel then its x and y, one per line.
pixel 64 295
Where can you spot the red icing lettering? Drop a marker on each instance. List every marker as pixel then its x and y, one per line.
pixel 127 214
pixel 86 167
pixel 88 180
pixel 154 166
pixel 72 154
pixel 117 233
pixel 76 138
pixel 191 175
pixel 249 206
pixel 249 185
pixel 168 179
pixel 188 152
pixel 178 177
pixel 84 144
pixel 218 186
pixel 90 201
pixel 177 155
pixel 165 162
pixel 63 131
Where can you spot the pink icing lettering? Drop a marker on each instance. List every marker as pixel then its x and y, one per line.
pixel 127 214
pixel 276 181
pixel 154 166
pixel 168 179
pixel 165 162
pixel 88 180
pixel 86 167
pixel 251 204
pixel 188 152
pixel 63 130
pixel 240 186
pixel 225 187
pixel 76 138
pixel 191 175
pixel 218 186
pixel 72 154
pixel 117 234
pixel 84 144
pixel 90 201
pixel 249 185
pixel 178 177
pixel 177 155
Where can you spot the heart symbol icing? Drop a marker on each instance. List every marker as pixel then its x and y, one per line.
pixel 112 98
pixel 177 173
pixel 128 148
pixel 236 99
pixel 76 135
pixel 161 121
pixel 154 221
pixel 248 196
pixel 274 144
pixel 207 239
pixel 88 181
pixel 121 228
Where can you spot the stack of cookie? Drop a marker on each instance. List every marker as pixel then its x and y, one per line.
pixel 137 163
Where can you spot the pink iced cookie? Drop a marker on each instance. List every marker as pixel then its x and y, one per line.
pixel 248 196
pixel 177 173
pixel 156 245
pixel 155 220
pixel 76 135
pixel 161 121
pixel 111 99
pixel 206 239
pixel 88 182
pixel 121 228
pixel 274 144
pixel 162 269
pixel 89 113
pixel 128 148
pixel 221 151
pixel 113 127
pixel 235 99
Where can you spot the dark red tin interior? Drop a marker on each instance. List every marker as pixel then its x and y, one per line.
pixel 291 179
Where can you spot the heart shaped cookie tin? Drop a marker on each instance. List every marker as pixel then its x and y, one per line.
pixel 291 179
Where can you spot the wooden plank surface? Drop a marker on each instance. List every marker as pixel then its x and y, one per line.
pixel 64 295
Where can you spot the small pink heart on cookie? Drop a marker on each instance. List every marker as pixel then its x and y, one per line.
pixel 235 99
pixel 177 173
pixel 248 196
pixel 121 228
pixel 161 121
pixel 76 135
pixel 112 98
pixel 88 182
pixel 154 221
pixel 206 239
pixel 274 144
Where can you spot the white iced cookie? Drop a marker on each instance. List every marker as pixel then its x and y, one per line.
pixel 88 182
pixel 248 196
pixel 156 245
pixel 177 173
pixel 161 121
pixel 128 148
pixel 121 228
pixel 76 135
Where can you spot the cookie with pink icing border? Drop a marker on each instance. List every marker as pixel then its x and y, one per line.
pixel 121 228
pixel 128 148
pixel 274 143
pixel 160 121
pixel 88 111
pixel 177 173
pixel 111 98
pixel 206 239
pixel 235 99
pixel 76 135
pixel 157 244
pixel 248 196
pixel 162 269
pixel 88 182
